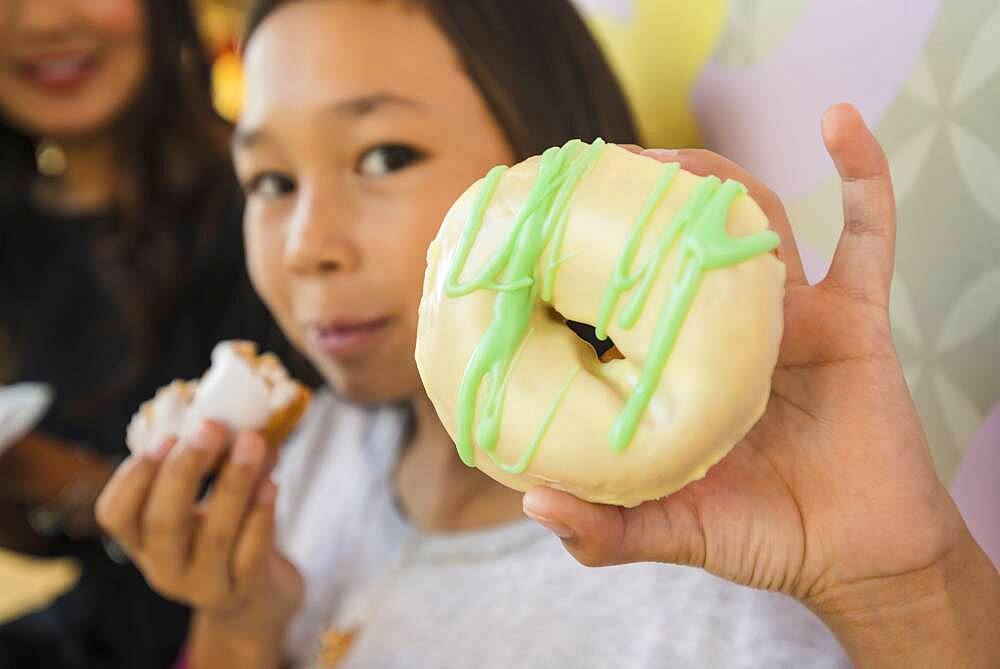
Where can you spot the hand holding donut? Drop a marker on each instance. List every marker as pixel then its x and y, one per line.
pixel 832 498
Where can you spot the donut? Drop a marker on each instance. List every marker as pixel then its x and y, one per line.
pixel 242 390
pixel 676 272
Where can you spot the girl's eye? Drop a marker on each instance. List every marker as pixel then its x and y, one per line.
pixel 387 158
pixel 270 185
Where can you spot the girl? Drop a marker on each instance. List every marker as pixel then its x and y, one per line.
pixel 120 266
pixel 363 121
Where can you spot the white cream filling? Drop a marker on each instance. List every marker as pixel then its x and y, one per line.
pixel 233 392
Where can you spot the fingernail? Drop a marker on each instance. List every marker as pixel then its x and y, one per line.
pixel 248 452
pixel 266 493
pixel 661 154
pixel 559 529
pixel 159 452
pixel 201 438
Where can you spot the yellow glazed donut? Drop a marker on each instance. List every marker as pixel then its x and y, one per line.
pixel 675 269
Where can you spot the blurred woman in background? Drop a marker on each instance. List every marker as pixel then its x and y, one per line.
pixel 121 265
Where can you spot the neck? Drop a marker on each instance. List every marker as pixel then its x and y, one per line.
pixel 88 182
pixel 440 493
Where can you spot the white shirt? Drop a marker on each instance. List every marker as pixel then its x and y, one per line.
pixel 501 597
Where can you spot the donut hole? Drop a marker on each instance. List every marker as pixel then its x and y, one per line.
pixel 587 333
pixel 605 351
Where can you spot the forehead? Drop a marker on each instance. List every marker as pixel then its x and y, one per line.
pixel 312 52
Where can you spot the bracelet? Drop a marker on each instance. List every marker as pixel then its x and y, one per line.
pixel 114 551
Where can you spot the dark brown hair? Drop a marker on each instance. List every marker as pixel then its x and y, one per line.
pixel 534 62
pixel 173 178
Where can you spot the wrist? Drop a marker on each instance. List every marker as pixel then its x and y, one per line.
pixel 947 614
pixel 38 469
pixel 69 509
pixel 229 641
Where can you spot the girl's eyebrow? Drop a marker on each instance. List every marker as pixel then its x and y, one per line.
pixel 368 104
pixel 244 137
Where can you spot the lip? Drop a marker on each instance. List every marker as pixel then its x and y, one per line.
pixel 346 337
pixel 58 73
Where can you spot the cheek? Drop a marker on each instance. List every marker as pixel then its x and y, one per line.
pixel 119 21
pixel 121 27
pixel 6 28
pixel 267 271
pixel 412 252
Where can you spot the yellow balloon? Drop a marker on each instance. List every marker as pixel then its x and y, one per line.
pixel 657 56
pixel 227 85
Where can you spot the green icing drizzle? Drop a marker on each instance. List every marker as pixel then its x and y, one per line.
pixel 705 245
pixel 513 273
pixel 536 440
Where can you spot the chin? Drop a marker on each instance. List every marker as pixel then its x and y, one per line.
pixel 62 124
pixel 372 388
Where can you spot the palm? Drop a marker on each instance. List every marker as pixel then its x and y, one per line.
pixel 816 490
pixel 834 484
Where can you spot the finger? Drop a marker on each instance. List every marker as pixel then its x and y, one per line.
pixel 120 505
pixel 272 456
pixel 632 148
pixel 704 163
pixel 598 535
pixel 226 507
pixel 168 520
pixel 863 263
pixel 256 541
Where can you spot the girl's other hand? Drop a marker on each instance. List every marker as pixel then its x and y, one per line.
pixel 216 554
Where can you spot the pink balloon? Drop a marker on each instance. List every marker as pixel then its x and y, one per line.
pixel 976 487
pixel 766 116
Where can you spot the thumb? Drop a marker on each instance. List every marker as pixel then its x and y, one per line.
pixel 863 262
pixel 666 530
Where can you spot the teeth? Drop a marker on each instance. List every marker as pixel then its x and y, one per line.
pixel 65 61
pixel 59 67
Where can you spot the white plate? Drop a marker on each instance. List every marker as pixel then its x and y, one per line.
pixel 21 407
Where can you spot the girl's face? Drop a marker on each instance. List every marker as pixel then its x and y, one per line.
pixel 358 131
pixel 69 67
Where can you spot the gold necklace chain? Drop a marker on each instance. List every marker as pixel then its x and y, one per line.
pixel 336 642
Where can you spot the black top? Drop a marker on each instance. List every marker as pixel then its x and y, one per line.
pixel 71 335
